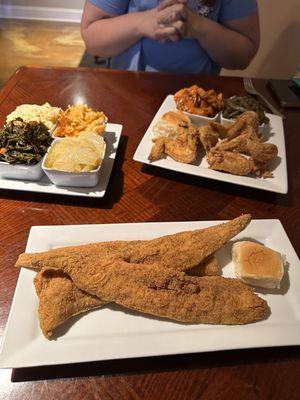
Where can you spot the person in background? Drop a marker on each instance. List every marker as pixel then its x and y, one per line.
pixel 191 36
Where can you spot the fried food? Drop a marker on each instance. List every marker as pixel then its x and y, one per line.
pixel 196 100
pixel 209 267
pixel 244 121
pixel 64 273
pixel 182 251
pixel 60 299
pixel 167 293
pixel 79 119
pixel 231 162
pixel 208 137
pixel 183 149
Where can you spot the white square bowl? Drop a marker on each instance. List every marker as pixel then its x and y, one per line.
pixel 75 179
pixel 21 171
pixel 200 120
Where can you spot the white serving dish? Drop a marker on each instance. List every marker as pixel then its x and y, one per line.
pixel 278 183
pixel 112 332
pixel 21 171
pixel 200 120
pixel 74 179
pixel 44 185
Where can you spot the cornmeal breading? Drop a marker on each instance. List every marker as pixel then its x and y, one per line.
pixel 80 119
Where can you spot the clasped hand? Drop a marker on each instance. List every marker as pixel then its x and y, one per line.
pixel 172 20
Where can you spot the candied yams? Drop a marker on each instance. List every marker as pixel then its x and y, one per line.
pixel 196 100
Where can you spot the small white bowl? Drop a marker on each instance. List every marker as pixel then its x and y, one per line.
pixel 21 171
pixel 200 120
pixel 74 179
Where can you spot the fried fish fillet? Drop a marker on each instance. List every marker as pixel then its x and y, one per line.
pixel 60 299
pixel 182 251
pixel 167 293
pixel 209 267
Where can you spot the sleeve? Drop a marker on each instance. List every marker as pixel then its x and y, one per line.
pixel 116 7
pixel 235 9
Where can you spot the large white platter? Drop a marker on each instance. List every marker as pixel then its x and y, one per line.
pixel 112 137
pixel 274 132
pixel 114 332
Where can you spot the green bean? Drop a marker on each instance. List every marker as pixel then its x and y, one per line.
pixel 237 105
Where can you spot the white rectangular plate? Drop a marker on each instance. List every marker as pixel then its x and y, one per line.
pixel 277 184
pixel 114 332
pixel 112 137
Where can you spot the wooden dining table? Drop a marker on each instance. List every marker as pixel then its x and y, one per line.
pixel 140 193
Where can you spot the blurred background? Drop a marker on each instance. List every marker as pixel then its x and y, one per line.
pixel 47 32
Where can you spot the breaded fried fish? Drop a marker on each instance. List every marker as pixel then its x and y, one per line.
pixel 60 299
pixel 181 251
pixel 167 293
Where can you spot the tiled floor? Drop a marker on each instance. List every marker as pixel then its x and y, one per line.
pixel 42 43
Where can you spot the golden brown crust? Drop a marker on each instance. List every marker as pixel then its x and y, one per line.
pixel 60 299
pixel 168 293
pixel 182 251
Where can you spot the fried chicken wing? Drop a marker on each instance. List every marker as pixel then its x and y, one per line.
pixel 262 154
pixel 158 149
pixel 231 162
pixel 246 120
pixel 167 293
pixel 183 149
pixel 207 137
pixel 238 144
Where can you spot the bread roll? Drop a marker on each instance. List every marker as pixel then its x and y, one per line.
pixel 170 124
pixel 257 264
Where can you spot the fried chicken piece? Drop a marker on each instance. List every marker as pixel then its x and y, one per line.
pixel 167 293
pixel 60 299
pixel 246 120
pixel 262 154
pixel 182 251
pixel 184 149
pixel 208 267
pixel 207 137
pixel 238 144
pixel 158 149
pixel 231 162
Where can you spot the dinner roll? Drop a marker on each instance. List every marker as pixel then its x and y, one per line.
pixel 257 264
pixel 170 124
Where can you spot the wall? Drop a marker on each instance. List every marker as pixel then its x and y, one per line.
pixel 279 53
pixel 45 3
pixel 278 56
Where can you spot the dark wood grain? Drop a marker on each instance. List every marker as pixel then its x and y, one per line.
pixel 140 193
